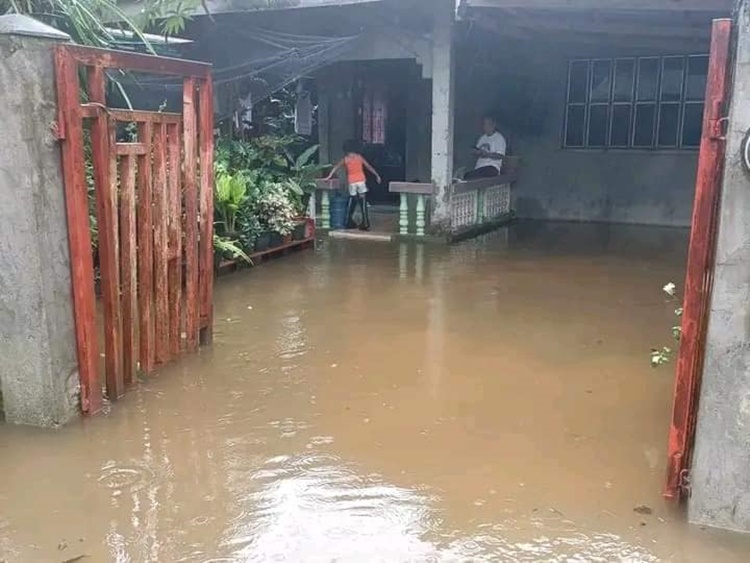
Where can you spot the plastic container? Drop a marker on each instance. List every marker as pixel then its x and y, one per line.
pixel 338 212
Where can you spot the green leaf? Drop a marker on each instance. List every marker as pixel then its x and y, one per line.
pixel 304 158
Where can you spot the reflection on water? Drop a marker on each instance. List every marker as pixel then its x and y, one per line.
pixel 490 401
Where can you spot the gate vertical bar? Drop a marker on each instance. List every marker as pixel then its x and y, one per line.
pixel 79 234
pixel 192 306
pixel 145 251
pixel 161 242
pixel 105 181
pixel 128 266
pixel 700 264
pixel 175 239
pixel 206 278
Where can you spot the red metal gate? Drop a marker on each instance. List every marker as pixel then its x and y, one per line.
pixel 700 266
pixel 154 213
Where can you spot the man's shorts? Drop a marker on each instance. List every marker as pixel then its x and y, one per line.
pixel 357 188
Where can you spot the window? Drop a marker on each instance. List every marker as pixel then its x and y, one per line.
pixel 644 102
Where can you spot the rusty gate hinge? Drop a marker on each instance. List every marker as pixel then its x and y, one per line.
pixel 684 482
pixel 58 132
pixel 718 129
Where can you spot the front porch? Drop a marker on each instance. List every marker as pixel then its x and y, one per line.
pixel 476 207
pixel 603 112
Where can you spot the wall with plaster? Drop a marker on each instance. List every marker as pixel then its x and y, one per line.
pixel 524 86
pixel 720 477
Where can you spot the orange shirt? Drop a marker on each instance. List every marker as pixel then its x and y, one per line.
pixel 355 169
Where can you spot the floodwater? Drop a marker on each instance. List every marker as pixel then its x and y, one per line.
pixel 492 401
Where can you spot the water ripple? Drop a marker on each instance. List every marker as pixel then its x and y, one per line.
pixel 123 478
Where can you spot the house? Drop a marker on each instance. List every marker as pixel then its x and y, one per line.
pixel 602 104
pixel 603 101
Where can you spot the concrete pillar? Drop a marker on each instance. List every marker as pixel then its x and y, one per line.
pixel 442 108
pixel 720 475
pixel 39 367
pixel 418 130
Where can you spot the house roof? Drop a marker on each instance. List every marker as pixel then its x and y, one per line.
pixel 132 7
pixel 657 24
pixel 604 5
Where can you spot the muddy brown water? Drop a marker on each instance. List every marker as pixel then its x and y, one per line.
pixel 491 401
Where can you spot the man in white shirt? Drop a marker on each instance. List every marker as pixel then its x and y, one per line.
pixel 490 150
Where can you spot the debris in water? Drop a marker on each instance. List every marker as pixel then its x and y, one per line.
pixel 643 509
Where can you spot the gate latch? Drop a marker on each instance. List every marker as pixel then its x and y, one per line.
pixel 684 482
pixel 718 129
pixel 57 132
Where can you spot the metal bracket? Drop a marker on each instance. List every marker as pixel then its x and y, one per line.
pixel 718 129
pixel 57 132
pixel 684 482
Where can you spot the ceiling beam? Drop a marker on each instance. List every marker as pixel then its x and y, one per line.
pixel 596 26
pixel 507 30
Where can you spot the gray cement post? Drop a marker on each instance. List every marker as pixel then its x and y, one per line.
pixel 720 475
pixel 443 101
pixel 38 363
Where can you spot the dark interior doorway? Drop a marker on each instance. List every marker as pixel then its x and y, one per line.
pixel 385 82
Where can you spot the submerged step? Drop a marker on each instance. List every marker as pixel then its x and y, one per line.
pixel 357 235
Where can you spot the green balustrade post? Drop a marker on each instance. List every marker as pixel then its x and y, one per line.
pixel 420 215
pixel 404 215
pixel 325 210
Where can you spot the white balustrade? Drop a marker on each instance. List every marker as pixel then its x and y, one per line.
pixel 477 202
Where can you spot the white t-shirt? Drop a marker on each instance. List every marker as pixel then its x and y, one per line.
pixel 494 143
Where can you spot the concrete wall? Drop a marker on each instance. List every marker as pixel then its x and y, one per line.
pixel 530 78
pixel 37 341
pixel 337 120
pixel 721 464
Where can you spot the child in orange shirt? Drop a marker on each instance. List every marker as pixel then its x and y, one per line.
pixel 355 165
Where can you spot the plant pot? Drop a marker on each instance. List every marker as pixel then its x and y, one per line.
pixel 276 240
pixel 299 231
pixel 263 242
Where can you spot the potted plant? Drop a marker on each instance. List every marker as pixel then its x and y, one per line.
pixel 302 175
pixel 275 211
pixel 249 228
pixel 228 249
pixel 231 193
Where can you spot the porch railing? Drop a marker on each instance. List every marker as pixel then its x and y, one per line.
pixel 412 223
pixel 480 202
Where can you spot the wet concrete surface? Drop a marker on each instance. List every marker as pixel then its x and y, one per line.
pixel 491 401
